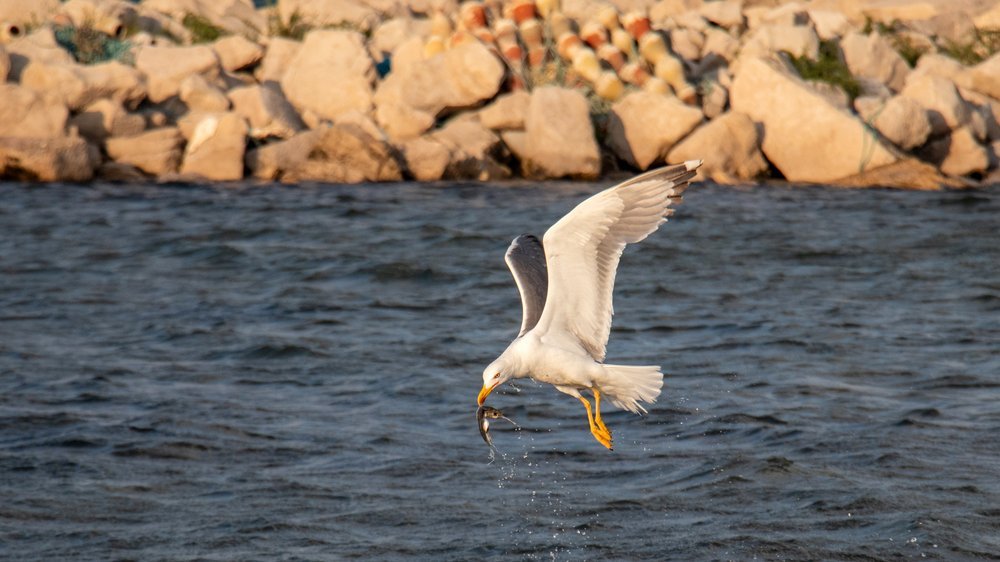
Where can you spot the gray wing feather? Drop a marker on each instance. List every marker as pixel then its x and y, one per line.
pixel 526 259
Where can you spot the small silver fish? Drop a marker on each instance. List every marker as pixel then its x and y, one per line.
pixel 483 415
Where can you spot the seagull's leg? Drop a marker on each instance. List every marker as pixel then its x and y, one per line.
pixel 597 414
pixel 598 434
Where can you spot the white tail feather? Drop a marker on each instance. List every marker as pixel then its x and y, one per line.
pixel 627 385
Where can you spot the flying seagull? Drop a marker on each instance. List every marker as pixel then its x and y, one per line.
pixel 566 282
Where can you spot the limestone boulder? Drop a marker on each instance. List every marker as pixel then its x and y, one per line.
pixel 724 13
pixel 806 137
pixel 475 152
pixel 39 46
pixel 392 33
pixel 507 112
pixel 767 39
pixel 560 137
pixel 271 161
pixel 720 45
pixel 236 52
pixel 944 66
pixel 166 67
pixel 346 153
pixel 426 159
pixel 215 151
pixel 329 13
pixel 686 43
pixel 945 107
pixel 112 17
pixel 235 16
pixel 27 113
pixel 4 64
pixel 331 74
pixel 899 119
pixel 829 24
pixel 873 56
pixel 107 118
pixel 199 95
pixel 957 154
pixel 266 110
pixel 985 77
pixel 907 173
pixel 156 152
pixel 24 13
pixel 409 101
pixel 48 159
pixel 730 147
pixel 644 126
pixel 277 57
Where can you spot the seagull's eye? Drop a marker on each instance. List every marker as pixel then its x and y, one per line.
pixel 496 376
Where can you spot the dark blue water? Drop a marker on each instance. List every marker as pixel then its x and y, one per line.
pixel 290 374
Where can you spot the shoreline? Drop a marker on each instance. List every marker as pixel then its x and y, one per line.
pixel 875 93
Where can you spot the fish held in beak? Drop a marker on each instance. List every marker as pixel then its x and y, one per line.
pixel 483 415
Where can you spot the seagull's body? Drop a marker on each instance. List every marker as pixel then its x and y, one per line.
pixel 566 283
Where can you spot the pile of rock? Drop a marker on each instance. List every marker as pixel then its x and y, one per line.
pixel 852 92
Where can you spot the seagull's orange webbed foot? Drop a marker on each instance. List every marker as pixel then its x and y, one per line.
pixel 597 415
pixel 603 436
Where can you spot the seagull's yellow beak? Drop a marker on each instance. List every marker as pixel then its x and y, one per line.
pixel 485 392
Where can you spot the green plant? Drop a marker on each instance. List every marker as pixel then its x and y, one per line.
pixel 90 46
pixel 202 30
pixel 829 67
pixel 984 44
pixel 294 28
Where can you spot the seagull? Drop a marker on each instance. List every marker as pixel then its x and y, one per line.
pixel 566 282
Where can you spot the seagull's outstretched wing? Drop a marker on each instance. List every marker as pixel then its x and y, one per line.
pixel 526 260
pixel 583 249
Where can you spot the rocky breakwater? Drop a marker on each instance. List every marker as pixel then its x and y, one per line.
pixel 851 92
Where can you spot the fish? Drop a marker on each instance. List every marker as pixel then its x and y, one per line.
pixel 483 415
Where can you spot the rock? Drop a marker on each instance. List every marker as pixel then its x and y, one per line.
pixel 724 13
pixel 686 43
pixel 347 154
pixel 899 119
pixel 908 173
pixel 988 19
pixel 730 147
pixel 47 159
pixel 517 143
pixel 873 56
pixel 507 112
pixel 664 10
pixel 331 74
pixel 215 151
pixel 714 99
pixel 475 151
pixel 789 14
pixel 833 94
pixel 829 24
pixel 107 118
pixel 720 44
pixel 392 33
pixel 944 66
pixel 560 137
pixel 24 13
pixel 26 113
pixel 236 52
pixel 235 16
pixel 329 13
pixel 4 64
pixel 957 154
pixel 955 27
pixel 78 85
pixel 900 10
pixel 119 172
pixel 796 40
pixel 167 67
pixel 269 162
pixel 266 110
pixel 945 107
pixel 39 46
pixel 426 159
pixel 199 95
pixel 408 102
pixel 985 77
pixel 277 57
pixel 156 152
pixel 805 137
pixel 643 126
pixel 111 17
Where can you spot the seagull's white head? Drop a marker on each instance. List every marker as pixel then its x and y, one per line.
pixel 497 373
